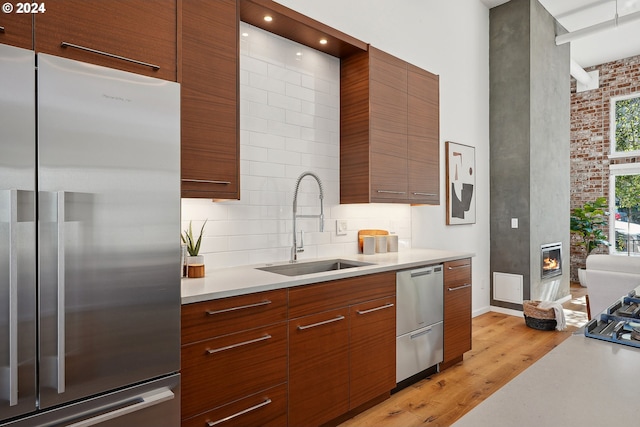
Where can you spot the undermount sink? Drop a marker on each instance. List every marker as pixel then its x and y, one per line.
pixel 302 268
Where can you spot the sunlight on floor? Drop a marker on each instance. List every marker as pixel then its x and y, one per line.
pixel 576 318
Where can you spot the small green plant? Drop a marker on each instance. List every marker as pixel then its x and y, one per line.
pixel 588 223
pixel 193 246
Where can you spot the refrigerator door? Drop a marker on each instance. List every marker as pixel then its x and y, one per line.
pixel 109 215
pixel 152 404
pixel 17 232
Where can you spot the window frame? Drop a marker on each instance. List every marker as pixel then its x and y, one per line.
pixel 613 153
pixel 616 170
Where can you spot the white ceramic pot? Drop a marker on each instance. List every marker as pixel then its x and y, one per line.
pixel 582 277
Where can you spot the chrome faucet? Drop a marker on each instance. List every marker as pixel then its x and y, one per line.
pixel 295 249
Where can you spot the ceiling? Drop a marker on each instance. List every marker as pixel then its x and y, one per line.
pixel 607 45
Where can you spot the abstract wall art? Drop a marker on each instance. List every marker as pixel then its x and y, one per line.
pixel 461 184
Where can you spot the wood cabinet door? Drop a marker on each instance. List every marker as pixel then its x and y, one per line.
pixel 209 59
pixel 372 350
pixel 16 29
pixel 131 35
pixel 318 367
pixel 220 370
pixel 457 308
pixel 267 408
pixel 423 136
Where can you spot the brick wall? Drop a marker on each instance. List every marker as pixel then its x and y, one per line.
pixel 590 138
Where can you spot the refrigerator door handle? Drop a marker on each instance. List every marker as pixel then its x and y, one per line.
pixel 12 380
pixel 60 353
pixel 141 402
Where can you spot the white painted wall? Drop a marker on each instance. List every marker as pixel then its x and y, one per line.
pixel 451 39
pixel 448 38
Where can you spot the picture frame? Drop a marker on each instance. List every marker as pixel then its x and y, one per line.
pixel 461 183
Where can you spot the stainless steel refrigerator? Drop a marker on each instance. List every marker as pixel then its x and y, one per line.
pixel 89 251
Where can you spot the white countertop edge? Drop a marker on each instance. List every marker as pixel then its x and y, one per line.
pixel 242 280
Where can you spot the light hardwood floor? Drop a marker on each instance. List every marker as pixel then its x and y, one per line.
pixel 503 346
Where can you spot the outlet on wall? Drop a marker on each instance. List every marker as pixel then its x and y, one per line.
pixel 341 227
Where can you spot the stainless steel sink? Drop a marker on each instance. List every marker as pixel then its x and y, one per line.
pixel 302 268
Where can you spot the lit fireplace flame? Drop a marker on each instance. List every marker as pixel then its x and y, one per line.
pixel 550 264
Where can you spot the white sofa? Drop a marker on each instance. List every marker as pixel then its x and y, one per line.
pixel 610 277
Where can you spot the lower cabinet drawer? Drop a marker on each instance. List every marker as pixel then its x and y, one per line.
pixel 268 408
pixel 418 350
pixel 221 370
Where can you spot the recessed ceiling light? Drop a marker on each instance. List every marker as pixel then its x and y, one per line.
pixel 268 18
pixel 323 41
pixel 298 53
pixel 245 34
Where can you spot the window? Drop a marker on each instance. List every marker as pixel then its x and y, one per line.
pixel 624 224
pixel 625 125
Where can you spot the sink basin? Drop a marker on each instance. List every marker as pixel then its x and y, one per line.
pixel 302 268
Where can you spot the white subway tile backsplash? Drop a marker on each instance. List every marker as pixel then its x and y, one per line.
pixel 289 124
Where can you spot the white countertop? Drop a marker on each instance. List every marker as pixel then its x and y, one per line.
pixel 227 282
pixel 582 382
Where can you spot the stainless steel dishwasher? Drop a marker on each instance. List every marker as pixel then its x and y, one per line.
pixel 419 330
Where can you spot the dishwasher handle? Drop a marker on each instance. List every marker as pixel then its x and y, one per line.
pixel 426 271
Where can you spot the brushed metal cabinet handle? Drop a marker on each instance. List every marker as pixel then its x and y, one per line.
pixel 371 310
pixel 110 55
pixel 207 181
pixel 240 307
pixel 417 193
pixel 391 192
pixel 1 29
pixel 240 344
pixel 421 333
pixel 458 266
pixel 313 325
pixel 466 285
pixel 237 414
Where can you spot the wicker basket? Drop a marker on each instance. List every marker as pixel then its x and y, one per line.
pixel 543 319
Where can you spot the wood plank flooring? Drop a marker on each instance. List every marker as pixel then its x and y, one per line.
pixel 503 346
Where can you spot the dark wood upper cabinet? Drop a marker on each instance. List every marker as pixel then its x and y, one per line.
pixel 130 35
pixel 209 65
pixel 16 29
pixel 389 131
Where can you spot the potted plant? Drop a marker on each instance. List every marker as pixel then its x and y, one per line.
pixel 195 262
pixel 588 222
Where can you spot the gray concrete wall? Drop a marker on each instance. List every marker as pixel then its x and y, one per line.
pixel 529 139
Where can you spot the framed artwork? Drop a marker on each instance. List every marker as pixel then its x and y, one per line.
pixel 461 184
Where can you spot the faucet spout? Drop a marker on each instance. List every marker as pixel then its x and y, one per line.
pixel 295 249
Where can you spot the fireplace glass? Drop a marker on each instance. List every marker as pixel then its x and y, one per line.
pixel 551 260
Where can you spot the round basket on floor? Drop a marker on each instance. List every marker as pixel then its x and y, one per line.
pixel 543 319
pixel 540 324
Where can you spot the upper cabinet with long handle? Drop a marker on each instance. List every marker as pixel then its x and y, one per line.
pixel 131 35
pixel 210 107
pixel 389 131
pixel 16 29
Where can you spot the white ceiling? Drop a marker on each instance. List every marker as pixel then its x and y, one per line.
pixel 605 46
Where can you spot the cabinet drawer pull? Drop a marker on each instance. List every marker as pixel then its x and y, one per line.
pixel 237 414
pixel 207 181
pixel 458 266
pixel 110 55
pixel 313 325
pixel 240 307
pixel 466 285
pixel 240 344
pixel 391 192
pixel 1 29
pixel 371 310
pixel 417 193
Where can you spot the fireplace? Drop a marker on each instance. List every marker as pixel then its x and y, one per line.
pixel 551 260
